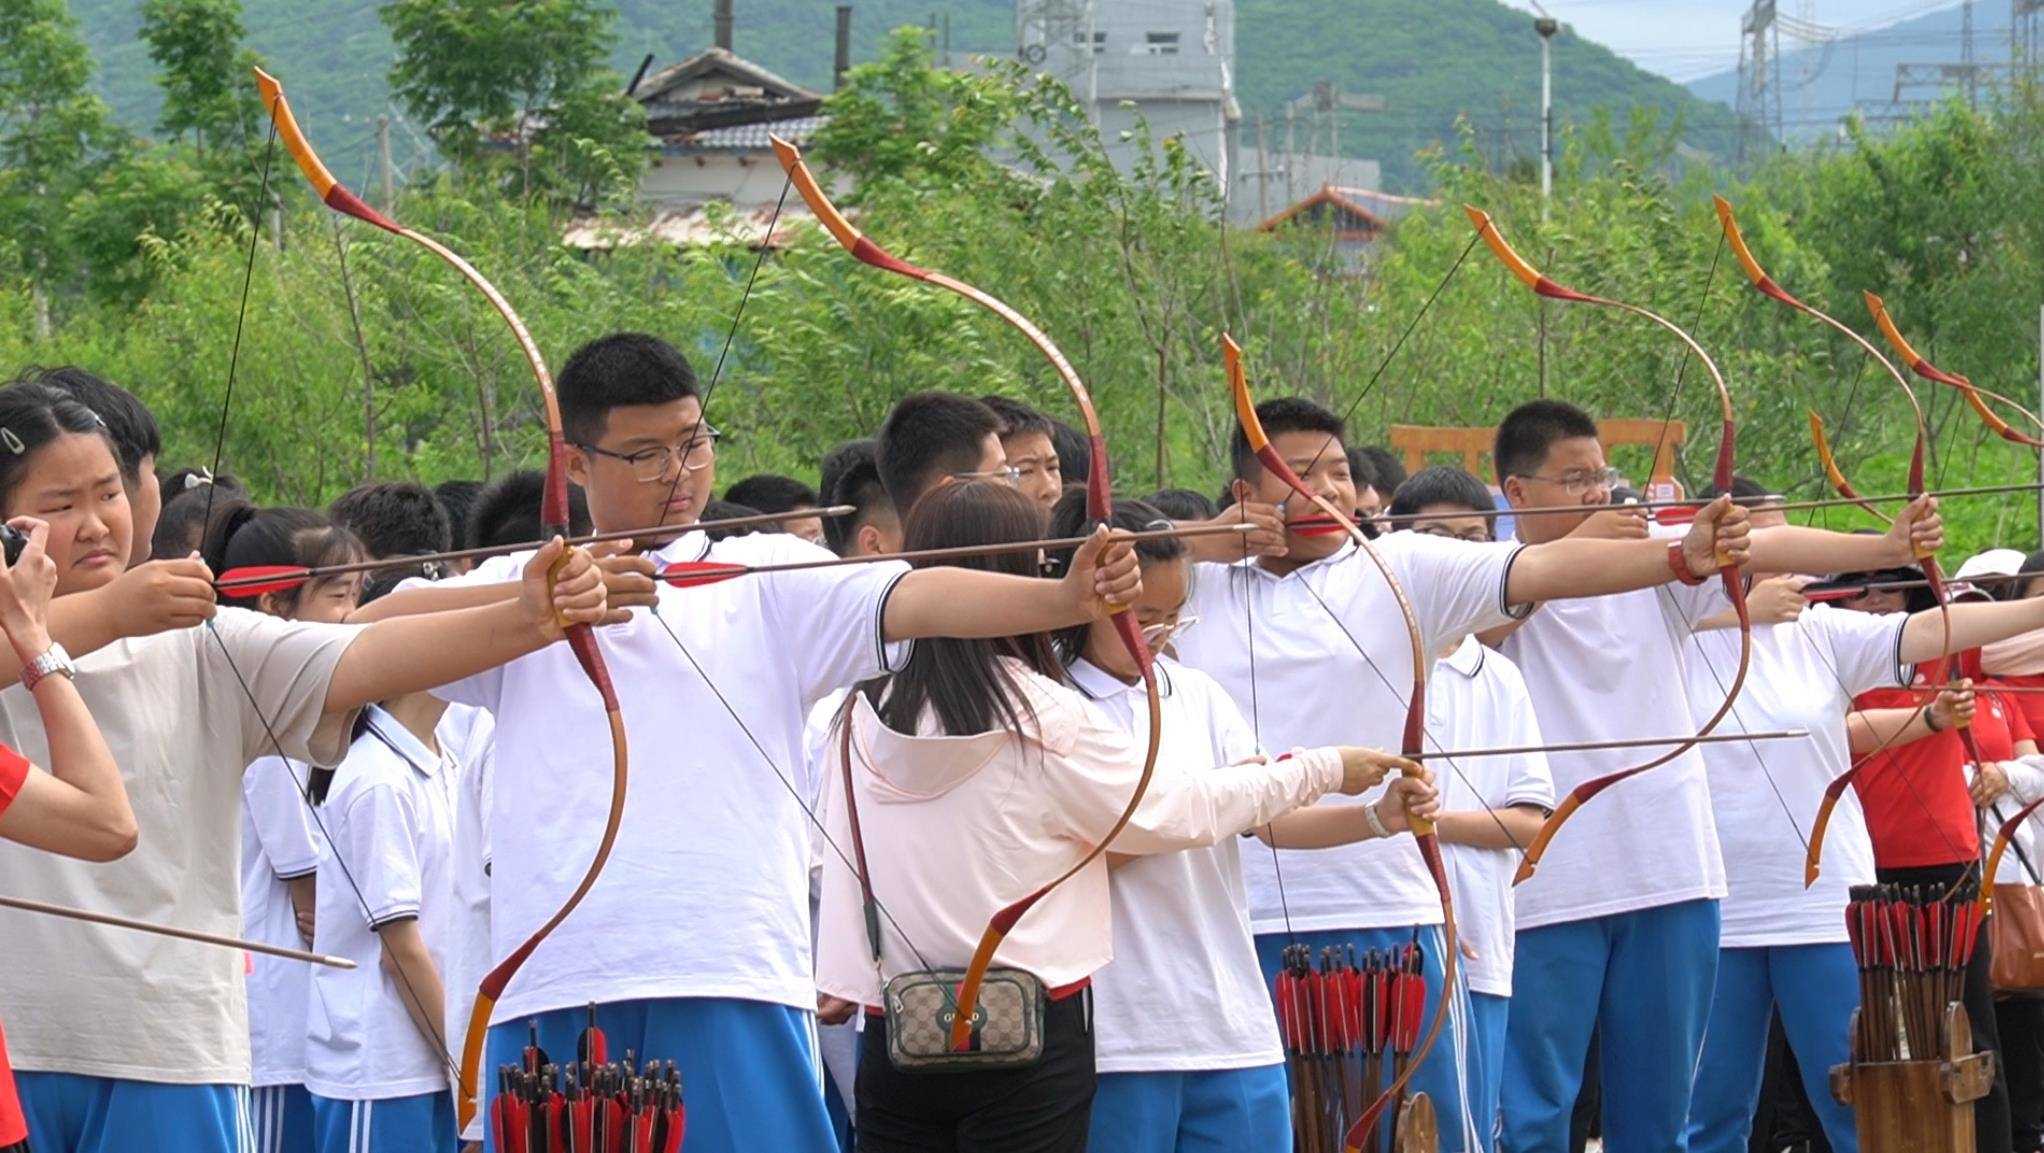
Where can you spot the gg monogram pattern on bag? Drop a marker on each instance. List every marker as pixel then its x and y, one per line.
pixel 1007 1024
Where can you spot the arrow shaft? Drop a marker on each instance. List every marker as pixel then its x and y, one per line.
pixel 1628 743
pixel 72 914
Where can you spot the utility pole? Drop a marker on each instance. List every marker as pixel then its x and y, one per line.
pixel 383 161
pixel 843 61
pixel 1546 26
pixel 1263 187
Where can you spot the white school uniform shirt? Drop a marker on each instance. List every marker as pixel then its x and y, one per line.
pixel 1476 699
pixel 2026 784
pixel 715 899
pixel 279 843
pixel 1765 794
pixel 106 1002
pixel 468 735
pixel 1277 645
pixel 1613 667
pixel 956 827
pixel 390 817
pixel 1184 991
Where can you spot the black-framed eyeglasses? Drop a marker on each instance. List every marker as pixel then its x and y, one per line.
pixel 696 453
pixel 1580 481
pixel 1479 534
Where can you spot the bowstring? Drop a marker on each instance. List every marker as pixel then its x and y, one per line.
pixel 411 993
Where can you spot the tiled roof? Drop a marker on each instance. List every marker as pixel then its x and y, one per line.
pixel 746 137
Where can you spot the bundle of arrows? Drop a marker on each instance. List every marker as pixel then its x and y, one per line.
pixel 1912 944
pixel 1341 1019
pixel 592 1105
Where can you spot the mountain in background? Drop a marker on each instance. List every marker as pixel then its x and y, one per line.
pixel 1816 81
pixel 1431 61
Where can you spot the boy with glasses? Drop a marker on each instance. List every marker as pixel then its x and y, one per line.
pixel 1618 932
pixel 695 946
pixel 1032 454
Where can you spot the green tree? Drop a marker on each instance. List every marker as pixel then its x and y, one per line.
pixel 53 133
pixel 519 91
pixel 209 101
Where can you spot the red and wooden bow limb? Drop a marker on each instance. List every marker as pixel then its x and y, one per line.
pixel 1099 507
pixel 1766 286
pixel 2003 838
pixel 1721 476
pixel 1975 396
pixel 1411 742
pixel 553 522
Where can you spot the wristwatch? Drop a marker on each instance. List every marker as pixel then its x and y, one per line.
pixel 1678 561
pixel 54 660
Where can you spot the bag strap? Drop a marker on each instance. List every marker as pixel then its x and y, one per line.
pixel 869 906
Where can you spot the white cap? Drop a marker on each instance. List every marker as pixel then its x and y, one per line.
pixel 1993 562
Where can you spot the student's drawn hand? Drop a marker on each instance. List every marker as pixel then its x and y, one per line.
pixel 1365 769
pixel 1618 522
pixel 1989 784
pixel 1266 535
pixel 25 589
pixel 1105 576
pixel 1777 600
pixel 162 596
pixel 1918 531
pixel 1954 707
pixel 576 596
pixel 834 1010
pixel 1408 797
pixel 627 576
pixel 1722 529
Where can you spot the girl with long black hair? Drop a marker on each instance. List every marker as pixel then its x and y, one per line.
pixel 978 774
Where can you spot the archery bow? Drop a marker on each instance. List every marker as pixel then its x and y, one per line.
pixel 1721 476
pixel 1099 507
pixel 1411 742
pixel 553 522
pixel 1975 396
pixel 1767 287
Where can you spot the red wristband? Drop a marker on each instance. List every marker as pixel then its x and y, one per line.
pixel 1679 564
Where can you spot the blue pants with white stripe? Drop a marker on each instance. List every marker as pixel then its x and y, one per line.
pixel 1816 988
pixel 1644 980
pixel 420 1124
pixel 749 1069
pixel 74 1113
pixel 279 1119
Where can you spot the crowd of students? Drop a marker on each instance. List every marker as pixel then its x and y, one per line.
pixel 840 771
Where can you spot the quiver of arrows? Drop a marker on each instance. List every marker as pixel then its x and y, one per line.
pixel 1912 944
pixel 1347 1024
pixel 592 1105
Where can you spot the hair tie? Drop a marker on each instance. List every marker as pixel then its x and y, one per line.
pixel 12 441
pixel 197 477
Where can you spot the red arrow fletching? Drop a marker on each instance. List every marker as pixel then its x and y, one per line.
pixel 688 574
pixel 261 579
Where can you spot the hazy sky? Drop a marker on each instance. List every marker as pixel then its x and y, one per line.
pixel 1684 39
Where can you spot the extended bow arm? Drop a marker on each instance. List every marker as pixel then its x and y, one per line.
pixel 1099 507
pixel 1721 476
pixel 1412 741
pixel 554 521
pixel 1767 287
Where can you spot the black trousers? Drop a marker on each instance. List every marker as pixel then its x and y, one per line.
pixel 2020 1019
pixel 1991 1113
pixel 1042 1108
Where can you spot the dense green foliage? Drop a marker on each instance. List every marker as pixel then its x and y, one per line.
pixel 1432 61
pixel 1131 277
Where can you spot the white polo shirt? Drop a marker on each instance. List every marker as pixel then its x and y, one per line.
pixel 1281 647
pixel 1804 675
pixel 1615 667
pixel 707 893
pixel 390 818
pixel 1181 920
pixel 1476 699
pixel 279 843
pixel 468 735
pixel 107 1002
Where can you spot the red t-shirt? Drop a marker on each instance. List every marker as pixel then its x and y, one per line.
pixel 1914 795
pixel 2030 705
pixel 13 1127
